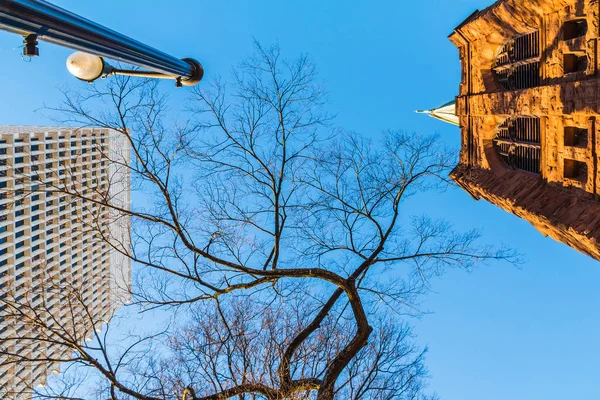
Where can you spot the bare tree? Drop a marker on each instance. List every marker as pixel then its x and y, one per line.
pixel 283 242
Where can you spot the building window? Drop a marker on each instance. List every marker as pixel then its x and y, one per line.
pixel 575 136
pixel 573 62
pixel 575 170
pixel 517 64
pixel 575 28
pixel 517 142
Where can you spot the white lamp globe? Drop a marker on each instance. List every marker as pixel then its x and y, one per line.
pixel 84 66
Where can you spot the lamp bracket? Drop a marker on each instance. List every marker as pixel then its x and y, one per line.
pixel 30 46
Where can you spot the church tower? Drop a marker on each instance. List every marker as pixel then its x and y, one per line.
pixel 528 110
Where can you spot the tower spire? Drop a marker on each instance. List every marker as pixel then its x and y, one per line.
pixel 446 113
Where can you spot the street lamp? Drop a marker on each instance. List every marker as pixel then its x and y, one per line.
pixel 39 20
pixel 88 68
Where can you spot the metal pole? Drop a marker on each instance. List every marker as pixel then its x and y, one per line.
pixel 56 25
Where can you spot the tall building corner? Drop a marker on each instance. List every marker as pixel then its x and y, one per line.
pixel 64 197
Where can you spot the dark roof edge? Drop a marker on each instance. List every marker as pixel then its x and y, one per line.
pixel 466 21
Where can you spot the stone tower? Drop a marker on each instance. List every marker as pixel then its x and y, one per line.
pixel 528 107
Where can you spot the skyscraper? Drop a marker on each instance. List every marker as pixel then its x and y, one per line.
pixel 528 108
pixel 56 232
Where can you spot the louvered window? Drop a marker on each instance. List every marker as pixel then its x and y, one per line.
pixel 517 64
pixel 517 142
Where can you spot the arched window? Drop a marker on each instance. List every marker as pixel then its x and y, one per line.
pixel 517 142
pixel 517 64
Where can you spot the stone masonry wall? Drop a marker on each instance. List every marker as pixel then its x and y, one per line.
pixel 573 220
pixel 561 202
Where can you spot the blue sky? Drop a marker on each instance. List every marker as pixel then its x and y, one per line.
pixel 497 333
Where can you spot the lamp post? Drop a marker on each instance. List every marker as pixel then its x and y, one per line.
pixel 39 20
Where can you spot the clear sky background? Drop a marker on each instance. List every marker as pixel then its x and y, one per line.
pixel 497 333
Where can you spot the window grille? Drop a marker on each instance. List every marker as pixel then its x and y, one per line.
pixel 517 64
pixel 517 142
